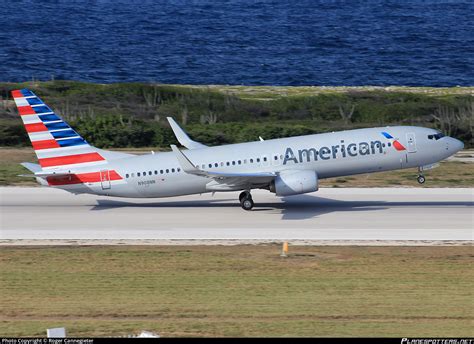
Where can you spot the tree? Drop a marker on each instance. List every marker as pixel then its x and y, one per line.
pixel 346 110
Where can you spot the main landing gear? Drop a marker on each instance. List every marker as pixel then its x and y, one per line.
pixel 246 200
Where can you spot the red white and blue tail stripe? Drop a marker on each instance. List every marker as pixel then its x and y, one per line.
pixel 55 143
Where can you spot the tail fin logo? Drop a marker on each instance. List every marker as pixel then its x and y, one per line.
pixel 398 146
pixel 55 143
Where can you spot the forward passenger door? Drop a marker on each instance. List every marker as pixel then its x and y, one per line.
pixel 411 142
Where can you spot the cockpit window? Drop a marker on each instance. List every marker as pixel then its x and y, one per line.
pixel 436 136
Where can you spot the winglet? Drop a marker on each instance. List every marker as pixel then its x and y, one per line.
pixel 188 167
pixel 185 163
pixel 182 137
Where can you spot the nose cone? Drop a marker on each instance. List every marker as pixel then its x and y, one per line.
pixel 455 145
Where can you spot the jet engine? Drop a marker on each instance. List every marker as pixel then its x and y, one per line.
pixel 289 183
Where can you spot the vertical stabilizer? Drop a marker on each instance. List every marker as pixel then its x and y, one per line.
pixel 55 143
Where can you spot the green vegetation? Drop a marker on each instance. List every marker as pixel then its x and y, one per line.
pixel 134 114
pixel 10 168
pixel 238 291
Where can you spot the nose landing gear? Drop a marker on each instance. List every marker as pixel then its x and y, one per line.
pixel 246 200
pixel 421 178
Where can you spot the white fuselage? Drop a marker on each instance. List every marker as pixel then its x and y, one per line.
pixel 329 155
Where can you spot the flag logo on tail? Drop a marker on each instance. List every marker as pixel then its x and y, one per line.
pixel 55 143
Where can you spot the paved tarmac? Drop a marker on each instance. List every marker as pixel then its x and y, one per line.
pixel 339 215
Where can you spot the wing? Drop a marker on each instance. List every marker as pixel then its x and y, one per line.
pixel 223 180
pixel 182 137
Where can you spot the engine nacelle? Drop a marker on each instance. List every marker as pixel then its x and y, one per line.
pixel 294 182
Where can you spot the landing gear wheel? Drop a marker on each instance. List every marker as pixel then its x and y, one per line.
pixel 244 194
pixel 247 203
pixel 421 179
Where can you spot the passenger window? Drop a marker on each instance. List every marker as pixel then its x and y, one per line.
pixel 222 164
pixel 172 170
pixel 156 172
pixel 179 169
pixel 258 159
pixel 389 144
pixel 149 173
pixel 167 171
pixel 227 163
pixel 233 162
pixel 265 158
pixel 161 171
pixel 216 164
pixel 251 161
pixel 276 158
pixel 210 165
pixel 240 162
pixel 126 176
pixel 144 174
pixel 138 174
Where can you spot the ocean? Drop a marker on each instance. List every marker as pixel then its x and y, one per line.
pixel 280 42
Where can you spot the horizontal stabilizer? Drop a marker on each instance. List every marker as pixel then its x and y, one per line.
pixel 38 172
pixel 31 167
pixel 46 174
pixel 43 175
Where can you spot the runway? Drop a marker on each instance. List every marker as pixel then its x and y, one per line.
pixel 330 215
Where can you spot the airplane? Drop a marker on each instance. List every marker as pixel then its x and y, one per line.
pixel 285 166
